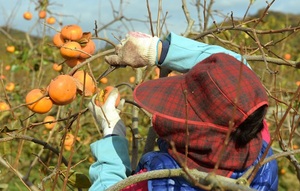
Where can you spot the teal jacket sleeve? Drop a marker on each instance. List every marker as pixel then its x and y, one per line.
pixel 112 163
pixel 184 53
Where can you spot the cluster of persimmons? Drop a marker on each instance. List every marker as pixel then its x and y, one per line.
pixel 73 44
pixel 42 15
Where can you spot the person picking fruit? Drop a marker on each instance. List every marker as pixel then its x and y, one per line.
pixel 217 94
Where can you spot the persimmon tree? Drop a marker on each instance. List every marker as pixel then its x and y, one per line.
pixel 54 153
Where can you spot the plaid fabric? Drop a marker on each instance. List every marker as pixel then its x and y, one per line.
pixel 215 91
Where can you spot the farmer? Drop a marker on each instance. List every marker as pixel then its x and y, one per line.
pixel 218 92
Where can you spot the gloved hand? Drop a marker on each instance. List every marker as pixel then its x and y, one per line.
pixel 136 50
pixel 107 116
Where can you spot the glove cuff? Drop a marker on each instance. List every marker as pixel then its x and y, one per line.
pixel 152 51
pixel 118 129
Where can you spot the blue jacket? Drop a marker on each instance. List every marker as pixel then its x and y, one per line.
pixel 265 180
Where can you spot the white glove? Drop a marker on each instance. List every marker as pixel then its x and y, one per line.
pixel 108 117
pixel 136 50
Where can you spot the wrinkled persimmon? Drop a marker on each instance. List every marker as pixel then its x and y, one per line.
pixel 103 94
pixel 88 49
pixel 70 49
pixel 62 89
pixel 71 32
pixel 86 79
pixel 37 101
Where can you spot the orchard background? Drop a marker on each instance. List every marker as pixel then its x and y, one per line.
pixel 55 155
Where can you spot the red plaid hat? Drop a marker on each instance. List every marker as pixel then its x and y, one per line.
pixel 215 91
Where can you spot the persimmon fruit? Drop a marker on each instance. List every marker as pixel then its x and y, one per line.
pixel 132 79
pixel 7 67
pixel 104 80
pixel 4 106
pixel 10 86
pixel 58 40
pixel 69 140
pixel 49 122
pixel 37 101
pixel 27 15
pixel 68 147
pixel 71 32
pixel 84 78
pixel 287 56
pixel 51 20
pixel 62 89
pixel 72 62
pixel 103 94
pixel 56 67
pixel 70 49
pixel 42 14
pixel 10 49
pixel 88 49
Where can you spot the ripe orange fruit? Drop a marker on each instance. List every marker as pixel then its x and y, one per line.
pixel 27 15
pixel 10 49
pixel 70 50
pixel 62 89
pixel 4 106
pixel 68 147
pixel 71 32
pixel 69 140
pixel 10 86
pixel 132 79
pixel 43 105
pixel 7 67
pixel 56 67
pixel 42 14
pixel 49 125
pixel 287 56
pixel 104 80
pixel 85 78
pixel 51 20
pixel 282 171
pixel 103 95
pixel 72 62
pixel 89 48
pixel 58 40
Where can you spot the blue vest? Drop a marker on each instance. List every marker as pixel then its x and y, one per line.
pixel 266 178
